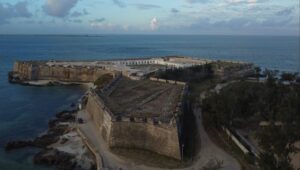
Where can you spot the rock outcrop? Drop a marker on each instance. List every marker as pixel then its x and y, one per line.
pixel 49 155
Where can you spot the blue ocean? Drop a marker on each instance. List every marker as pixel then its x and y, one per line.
pixel 24 111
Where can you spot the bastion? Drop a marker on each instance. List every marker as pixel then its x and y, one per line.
pixel 139 114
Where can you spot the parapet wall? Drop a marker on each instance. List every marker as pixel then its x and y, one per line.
pixel 148 135
pixel 41 71
pixel 167 81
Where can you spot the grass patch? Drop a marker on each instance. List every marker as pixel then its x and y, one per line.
pixel 198 88
pixel 103 80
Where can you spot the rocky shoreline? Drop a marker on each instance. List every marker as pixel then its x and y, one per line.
pixel 61 146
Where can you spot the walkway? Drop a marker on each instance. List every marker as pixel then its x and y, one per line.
pixel 210 151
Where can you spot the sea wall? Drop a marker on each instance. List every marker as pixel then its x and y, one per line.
pixel 24 69
pixel 41 71
pixel 148 135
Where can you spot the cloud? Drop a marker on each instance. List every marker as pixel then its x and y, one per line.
pixel 59 8
pixel 101 24
pixel 9 11
pixel 285 12
pixel 197 1
pixel 242 2
pixel 119 3
pixel 154 24
pixel 79 14
pixel 77 21
pixel 98 23
pixel 174 10
pixel 239 25
pixel 146 6
pixel 99 20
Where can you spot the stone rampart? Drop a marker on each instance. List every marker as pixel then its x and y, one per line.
pixel 147 136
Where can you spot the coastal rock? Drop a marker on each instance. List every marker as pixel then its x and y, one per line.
pixel 40 142
pixel 45 140
pixel 63 116
pixel 61 160
pixel 18 144
pixel 52 135
pixel 58 134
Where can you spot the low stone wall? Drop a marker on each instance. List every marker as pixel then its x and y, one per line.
pixel 236 141
pixel 146 135
pixel 167 81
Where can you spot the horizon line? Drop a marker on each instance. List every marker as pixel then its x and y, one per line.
pixel 141 34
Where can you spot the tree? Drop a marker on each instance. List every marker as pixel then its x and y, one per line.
pixel 271 81
pixel 288 76
pixel 257 72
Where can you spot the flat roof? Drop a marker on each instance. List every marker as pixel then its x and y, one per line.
pixel 143 98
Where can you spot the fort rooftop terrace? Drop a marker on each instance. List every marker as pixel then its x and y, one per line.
pixel 144 98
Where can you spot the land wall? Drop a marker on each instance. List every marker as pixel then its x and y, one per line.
pixel 160 138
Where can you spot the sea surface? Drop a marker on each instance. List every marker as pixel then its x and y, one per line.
pixel 24 110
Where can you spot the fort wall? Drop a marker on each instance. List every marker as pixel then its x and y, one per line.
pixel 40 71
pixel 100 115
pixel 161 140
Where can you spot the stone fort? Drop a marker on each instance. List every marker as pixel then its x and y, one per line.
pixel 131 111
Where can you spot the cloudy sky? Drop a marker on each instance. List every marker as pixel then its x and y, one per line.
pixel 237 17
